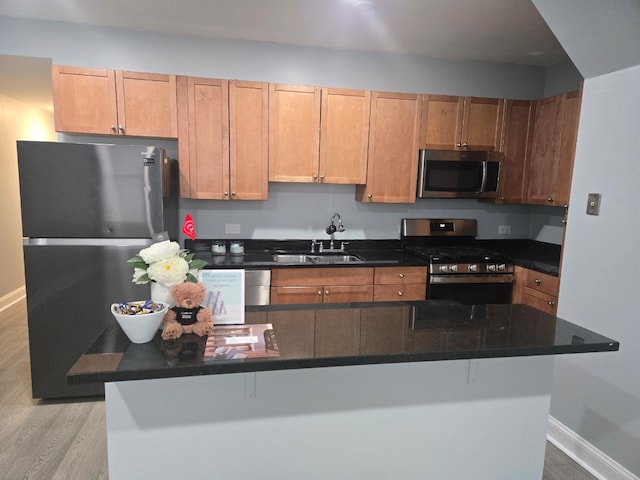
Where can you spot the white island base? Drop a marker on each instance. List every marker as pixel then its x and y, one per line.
pixel 480 419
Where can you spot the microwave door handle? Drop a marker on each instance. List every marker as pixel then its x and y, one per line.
pixel 483 184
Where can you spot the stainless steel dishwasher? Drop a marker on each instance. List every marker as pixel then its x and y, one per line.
pixel 257 287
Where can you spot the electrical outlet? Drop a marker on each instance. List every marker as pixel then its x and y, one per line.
pixel 504 229
pixel 232 228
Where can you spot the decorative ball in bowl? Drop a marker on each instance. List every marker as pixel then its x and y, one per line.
pixel 141 319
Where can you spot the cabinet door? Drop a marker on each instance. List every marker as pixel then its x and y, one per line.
pixel 543 167
pixel 567 147
pixel 482 123
pixel 441 126
pixel 294 133
pixel 147 104
pixel 204 138
pixel 393 149
pixel 516 145
pixel 348 293
pixel 283 295
pixel 344 136
pixel 84 100
pixel 249 140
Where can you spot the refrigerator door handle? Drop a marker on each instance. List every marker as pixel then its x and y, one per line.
pixel 89 242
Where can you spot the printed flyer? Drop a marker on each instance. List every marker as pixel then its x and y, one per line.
pixel 225 295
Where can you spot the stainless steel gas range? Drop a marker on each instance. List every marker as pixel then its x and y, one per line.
pixel 459 269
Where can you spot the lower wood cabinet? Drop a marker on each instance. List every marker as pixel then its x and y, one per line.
pixel 536 289
pixel 338 284
pixel 321 285
pixel 399 283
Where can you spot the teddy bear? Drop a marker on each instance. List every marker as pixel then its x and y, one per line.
pixel 188 316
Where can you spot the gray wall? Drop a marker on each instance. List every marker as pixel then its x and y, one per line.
pixel 294 210
pixel 598 396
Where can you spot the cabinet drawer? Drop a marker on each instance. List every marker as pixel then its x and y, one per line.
pixel 540 300
pixel 541 282
pixel 389 293
pixel 400 275
pixel 348 293
pixel 284 295
pixel 321 276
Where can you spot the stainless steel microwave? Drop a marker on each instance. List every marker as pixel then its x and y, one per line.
pixel 458 174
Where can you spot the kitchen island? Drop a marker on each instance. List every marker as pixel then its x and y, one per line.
pixel 373 390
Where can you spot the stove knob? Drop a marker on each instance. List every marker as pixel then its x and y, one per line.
pixel 502 267
pixel 473 268
pixel 454 268
pixel 444 268
pixel 491 267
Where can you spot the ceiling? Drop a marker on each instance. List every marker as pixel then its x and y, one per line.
pixel 504 31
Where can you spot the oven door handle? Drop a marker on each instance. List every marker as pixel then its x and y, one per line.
pixel 453 279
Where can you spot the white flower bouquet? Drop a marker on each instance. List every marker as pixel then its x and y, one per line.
pixel 165 263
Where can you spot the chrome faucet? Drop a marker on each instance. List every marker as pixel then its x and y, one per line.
pixel 331 230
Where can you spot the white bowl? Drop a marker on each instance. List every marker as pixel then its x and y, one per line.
pixel 140 328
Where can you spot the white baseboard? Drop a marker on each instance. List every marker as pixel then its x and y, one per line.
pixel 586 455
pixel 12 297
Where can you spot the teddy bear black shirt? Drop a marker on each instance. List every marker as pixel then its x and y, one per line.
pixel 186 316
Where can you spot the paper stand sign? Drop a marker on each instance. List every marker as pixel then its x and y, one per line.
pixel 224 295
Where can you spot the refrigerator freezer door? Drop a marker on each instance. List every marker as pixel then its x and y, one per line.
pixel 72 190
pixel 69 293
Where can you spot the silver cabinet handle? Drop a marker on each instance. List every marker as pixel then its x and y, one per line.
pixel 226 194
pixel 326 292
pixel 551 303
pixel 401 275
pixel 400 293
pixel 121 128
pixel 113 128
pixel 369 196
pixel 233 194
pixel 537 280
pixel 319 292
pixel 549 199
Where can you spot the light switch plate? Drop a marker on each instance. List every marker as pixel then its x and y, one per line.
pixel 593 204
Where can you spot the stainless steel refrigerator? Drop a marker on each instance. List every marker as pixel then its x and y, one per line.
pixel 86 209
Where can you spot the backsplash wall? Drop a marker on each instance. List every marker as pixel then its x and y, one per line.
pixel 303 211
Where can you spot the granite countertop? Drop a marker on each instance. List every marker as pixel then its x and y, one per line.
pixel 312 336
pixel 539 256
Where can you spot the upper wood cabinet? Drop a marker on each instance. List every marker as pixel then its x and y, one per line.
pixel 248 140
pixel 516 146
pixel 344 136
pixel 461 123
pixel 114 102
pixel 550 168
pixel 392 166
pixel 294 133
pixel 223 139
pixel 318 135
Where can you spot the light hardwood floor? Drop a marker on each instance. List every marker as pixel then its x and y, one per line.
pixel 66 440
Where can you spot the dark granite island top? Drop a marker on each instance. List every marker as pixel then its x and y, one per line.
pixel 311 336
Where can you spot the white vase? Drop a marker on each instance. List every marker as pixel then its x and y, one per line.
pixel 160 293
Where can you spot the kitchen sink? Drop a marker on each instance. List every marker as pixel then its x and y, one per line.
pixel 290 258
pixel 317 259
pixel 335 258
